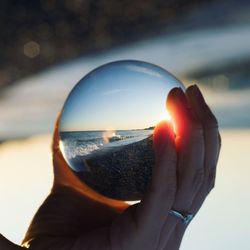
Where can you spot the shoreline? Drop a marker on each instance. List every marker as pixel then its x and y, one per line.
pixel 119 172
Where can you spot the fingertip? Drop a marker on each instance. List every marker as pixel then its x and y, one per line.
pixel 175 96
pixel 193 91
pixel 163 134
pixel 178 107
pixel 200 107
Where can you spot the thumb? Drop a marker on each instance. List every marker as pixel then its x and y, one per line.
pixel 8 245
pixel 158 200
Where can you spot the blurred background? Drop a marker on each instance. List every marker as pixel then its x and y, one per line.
pixel 47 46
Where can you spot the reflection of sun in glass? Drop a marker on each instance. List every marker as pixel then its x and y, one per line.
pixel 107 134
pixel 165 116
pixel 61 146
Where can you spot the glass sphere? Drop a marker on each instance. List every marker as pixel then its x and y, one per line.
pixel 107 124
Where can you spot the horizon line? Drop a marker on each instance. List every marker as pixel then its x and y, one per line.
pixel 98 130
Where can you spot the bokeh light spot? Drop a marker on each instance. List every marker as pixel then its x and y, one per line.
pixel 31 49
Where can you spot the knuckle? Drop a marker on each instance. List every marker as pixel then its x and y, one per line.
pixel 211 187
pixel 212 172
pixel 211 179
pixel 211 176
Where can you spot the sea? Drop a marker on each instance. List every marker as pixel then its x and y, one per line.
pixel 82 143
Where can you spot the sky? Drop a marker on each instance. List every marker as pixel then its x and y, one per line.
pixel 38 99
pixel 116 96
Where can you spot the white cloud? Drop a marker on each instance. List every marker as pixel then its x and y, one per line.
pixel 114 91
pixel 146 71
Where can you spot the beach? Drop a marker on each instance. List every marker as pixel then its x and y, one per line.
pixel 118 167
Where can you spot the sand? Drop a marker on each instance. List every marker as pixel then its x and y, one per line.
pixel 122 172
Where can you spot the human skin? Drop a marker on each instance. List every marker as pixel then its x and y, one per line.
pixel 74 217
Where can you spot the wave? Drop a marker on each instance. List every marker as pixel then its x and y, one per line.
pixel 73 148
pixel 75 144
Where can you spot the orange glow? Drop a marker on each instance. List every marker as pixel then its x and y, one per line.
pixel 107 134
pixel 166 116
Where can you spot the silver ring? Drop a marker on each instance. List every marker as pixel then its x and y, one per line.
pixel 185 218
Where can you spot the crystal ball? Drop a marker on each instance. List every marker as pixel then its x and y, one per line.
pixel 107 123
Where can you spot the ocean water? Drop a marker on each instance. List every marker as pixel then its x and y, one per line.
pixel 111 162
pixel 82 143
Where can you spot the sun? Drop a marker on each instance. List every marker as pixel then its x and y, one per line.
pixel 165 115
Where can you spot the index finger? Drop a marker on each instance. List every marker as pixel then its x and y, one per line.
pixel 154 207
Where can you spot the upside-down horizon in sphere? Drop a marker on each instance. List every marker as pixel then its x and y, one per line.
pixel 107 124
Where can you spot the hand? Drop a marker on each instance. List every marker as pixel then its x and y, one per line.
pixel 81 219
pixel 72 208
pixel 75 217
pixel 198 145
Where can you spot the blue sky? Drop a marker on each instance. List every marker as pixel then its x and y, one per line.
pixel 124 95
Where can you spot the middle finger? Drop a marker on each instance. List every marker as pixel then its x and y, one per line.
pixel 190 150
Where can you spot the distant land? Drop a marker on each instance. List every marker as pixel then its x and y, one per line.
pixel 77 131
pixel 149 128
